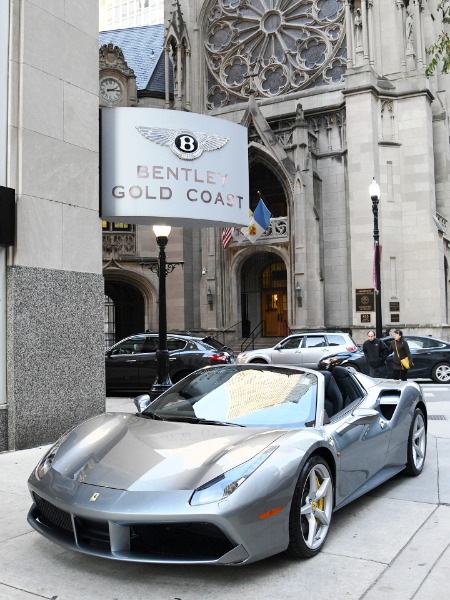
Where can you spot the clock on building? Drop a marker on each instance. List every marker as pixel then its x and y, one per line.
pixel 111 90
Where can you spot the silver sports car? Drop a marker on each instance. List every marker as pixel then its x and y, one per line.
pixel 233 464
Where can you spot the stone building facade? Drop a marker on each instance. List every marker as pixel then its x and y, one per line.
pixel 333 93
pixel 51 283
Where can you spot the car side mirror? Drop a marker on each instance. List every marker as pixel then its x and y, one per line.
pixel 141 402
pixel 360 416
pixel 108 353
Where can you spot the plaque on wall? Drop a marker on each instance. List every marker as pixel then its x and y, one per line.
pixel 394 306
pixel 365 318
pixel 365 300
pixel 395 318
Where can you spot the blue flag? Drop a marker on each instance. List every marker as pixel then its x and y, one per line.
pixel 261 215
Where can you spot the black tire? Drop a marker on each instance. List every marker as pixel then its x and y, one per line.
pixel 258 361
pixel 417 444
pixel 311 509
pixel 441 373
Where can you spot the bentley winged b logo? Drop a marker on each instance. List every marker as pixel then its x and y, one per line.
pixel 184 143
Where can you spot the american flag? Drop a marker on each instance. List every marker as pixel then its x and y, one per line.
pixel 227 236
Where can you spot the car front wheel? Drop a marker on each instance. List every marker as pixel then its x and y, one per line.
pixel 258 361
pixel 441 373
pixel 311 510
pixel 417 444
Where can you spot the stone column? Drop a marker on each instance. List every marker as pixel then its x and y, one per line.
pixel 188 79
pixel 419 34
pixel 364 31
pixel 349 28
pixel 401 30
pixel 371 34
pixel 166 77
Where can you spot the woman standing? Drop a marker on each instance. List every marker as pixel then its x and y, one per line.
pixel 401 350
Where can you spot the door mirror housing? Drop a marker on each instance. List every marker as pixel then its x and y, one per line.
pixel 141 402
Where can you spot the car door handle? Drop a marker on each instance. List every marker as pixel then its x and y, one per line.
pixel 131 360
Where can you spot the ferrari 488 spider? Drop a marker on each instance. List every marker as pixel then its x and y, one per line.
pixel 232 464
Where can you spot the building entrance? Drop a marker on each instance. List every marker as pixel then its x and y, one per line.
pixel 124 311
pixel 274 299
pixel 274 312
pixel 264 296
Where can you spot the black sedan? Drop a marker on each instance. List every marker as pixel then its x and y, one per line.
pixel 431 359
pixel 130 364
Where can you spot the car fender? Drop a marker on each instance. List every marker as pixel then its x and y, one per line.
pixel 259 355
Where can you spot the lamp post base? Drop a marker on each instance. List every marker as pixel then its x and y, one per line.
pixel 162 381
pixel 157 389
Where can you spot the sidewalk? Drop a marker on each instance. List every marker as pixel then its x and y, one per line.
pixel 393 544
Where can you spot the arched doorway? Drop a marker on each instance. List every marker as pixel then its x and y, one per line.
pixel 124 311
pixel 264 295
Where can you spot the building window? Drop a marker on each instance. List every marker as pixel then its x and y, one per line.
pixel 109 226
pixel 109 322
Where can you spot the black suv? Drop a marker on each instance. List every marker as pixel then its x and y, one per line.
pixel 131 363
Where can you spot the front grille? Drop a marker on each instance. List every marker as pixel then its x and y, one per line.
pixel 52 516
pixel 201 541
pixel 172 541
pixel 93 533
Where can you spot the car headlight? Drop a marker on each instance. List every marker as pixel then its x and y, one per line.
pixel 325 361
pixel 330 361
pixel 223 486
pixel 46 461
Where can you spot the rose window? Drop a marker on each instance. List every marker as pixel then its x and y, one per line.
pixel 272 46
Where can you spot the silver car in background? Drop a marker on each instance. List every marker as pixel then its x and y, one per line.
pixel 300 349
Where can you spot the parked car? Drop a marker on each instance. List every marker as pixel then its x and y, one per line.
pixel 300 349
pixel 231 465
pixel 131 363
pixel 431 359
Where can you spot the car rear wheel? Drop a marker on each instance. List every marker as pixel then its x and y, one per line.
pixel 311 510
pixel 441 373
pixel 417 444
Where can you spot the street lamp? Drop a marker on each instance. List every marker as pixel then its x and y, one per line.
pixel 374 192
pixel 162 268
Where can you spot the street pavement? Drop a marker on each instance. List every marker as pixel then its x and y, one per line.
pixel 392 544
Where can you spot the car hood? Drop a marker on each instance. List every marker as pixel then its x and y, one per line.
pixel 128 452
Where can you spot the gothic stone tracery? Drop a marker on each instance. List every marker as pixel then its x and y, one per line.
pixel 273 46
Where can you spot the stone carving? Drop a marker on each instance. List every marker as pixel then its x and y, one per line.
pixel 300 115
pixel 285 46
pixel 409 32
pixel 111 57
pixel 358 30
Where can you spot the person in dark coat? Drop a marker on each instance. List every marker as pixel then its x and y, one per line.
pixel 400 350
pixel 375 351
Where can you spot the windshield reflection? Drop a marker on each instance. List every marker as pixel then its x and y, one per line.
pixel 250 395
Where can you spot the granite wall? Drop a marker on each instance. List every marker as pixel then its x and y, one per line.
pixel 55 364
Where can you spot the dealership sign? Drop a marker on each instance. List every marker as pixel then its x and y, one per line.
pixel 167 167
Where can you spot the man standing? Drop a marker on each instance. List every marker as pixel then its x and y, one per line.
pixel 375 351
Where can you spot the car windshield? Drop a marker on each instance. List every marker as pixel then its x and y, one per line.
pixel 215 344
pixel 249 395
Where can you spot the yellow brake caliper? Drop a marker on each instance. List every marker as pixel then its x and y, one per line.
pixel 319 502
